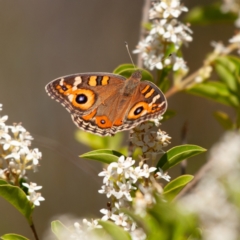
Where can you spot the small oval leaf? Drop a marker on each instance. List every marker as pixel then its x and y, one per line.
pixel 228 73
pixel 172 189
pixel 16 196
pixel 103 155
pixel 12 236
pixel 116 232
pixel 177 154
pixel 127 70
pixel 122 67
pixel 224 120
pixel 215 91
pixel 98 142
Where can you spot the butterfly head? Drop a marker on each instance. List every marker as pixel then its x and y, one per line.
pixel 137 75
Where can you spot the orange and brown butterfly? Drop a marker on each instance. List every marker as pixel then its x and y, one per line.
pixel 105 103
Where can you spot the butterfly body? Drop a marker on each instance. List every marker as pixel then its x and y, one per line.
pixel 105 103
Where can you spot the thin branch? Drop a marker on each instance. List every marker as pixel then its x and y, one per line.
pixel 34 231
pixel 200 174
pixel 145 14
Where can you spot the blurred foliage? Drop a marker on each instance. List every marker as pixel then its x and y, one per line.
pixel 209 14
pixel 225 89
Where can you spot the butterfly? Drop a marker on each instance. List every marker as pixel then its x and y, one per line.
pixel 105 103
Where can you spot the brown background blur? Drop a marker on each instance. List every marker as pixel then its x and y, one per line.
pixel 42 40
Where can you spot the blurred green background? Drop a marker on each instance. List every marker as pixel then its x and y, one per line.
pixel 43 40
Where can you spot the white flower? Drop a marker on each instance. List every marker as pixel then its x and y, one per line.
pixel 17 128
pixel 120 219
pixel 167 9
pixel 1 107
pixel 25 138
pixel 35 198
pixel 9 142
pixel 3 120
pixel 219 47
pixel 107 174
pixel 161 174
pixel 158 27
pixel 91 225
pixel 163 138
pixel 138 234
pixel 107 214
pixel 122 164
pixel 132 174
pixel 235 39
pixel 146 171
pixel 124 190
pixel 32 187
pixel 203 74
pixel 34 156
pixel 107 189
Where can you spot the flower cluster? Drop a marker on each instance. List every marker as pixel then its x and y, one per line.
pixel 232 6
pixel 166 32
pixel 122 180
pixel 15 155
pixel 150 140
pixel 219 189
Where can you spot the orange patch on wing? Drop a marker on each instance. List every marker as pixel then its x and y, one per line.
pixel 65 89
pixel 88 94
pixel 145 89
pixel 118 122
pixel 155 108
pixel 103 122
pixel 138 110
pixel 105 80
pixel 149 94
pixel 89 116
pixel 92 81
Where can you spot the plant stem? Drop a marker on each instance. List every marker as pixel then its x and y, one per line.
pixel 145 10
pixel 34 231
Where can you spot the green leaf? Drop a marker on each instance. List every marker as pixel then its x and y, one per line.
pixel 103 155
pixel 228 72
pixel 209 14
pixel 98 142
pixel 60 230
pixel 172 189
pixel 168 114
pixel 123 67
pixel 127 70
pixel 175 222
pixel 177 154
pixel 215 91
pixel 224 120
pixel 163 81
pixel 12 236
pixel 147 26
pixel 236 61
pixel 116 232
pixel 148 223
pixel 3 182
pixel 16 196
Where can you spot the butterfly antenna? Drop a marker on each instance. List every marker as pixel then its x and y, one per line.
pixel 126 44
